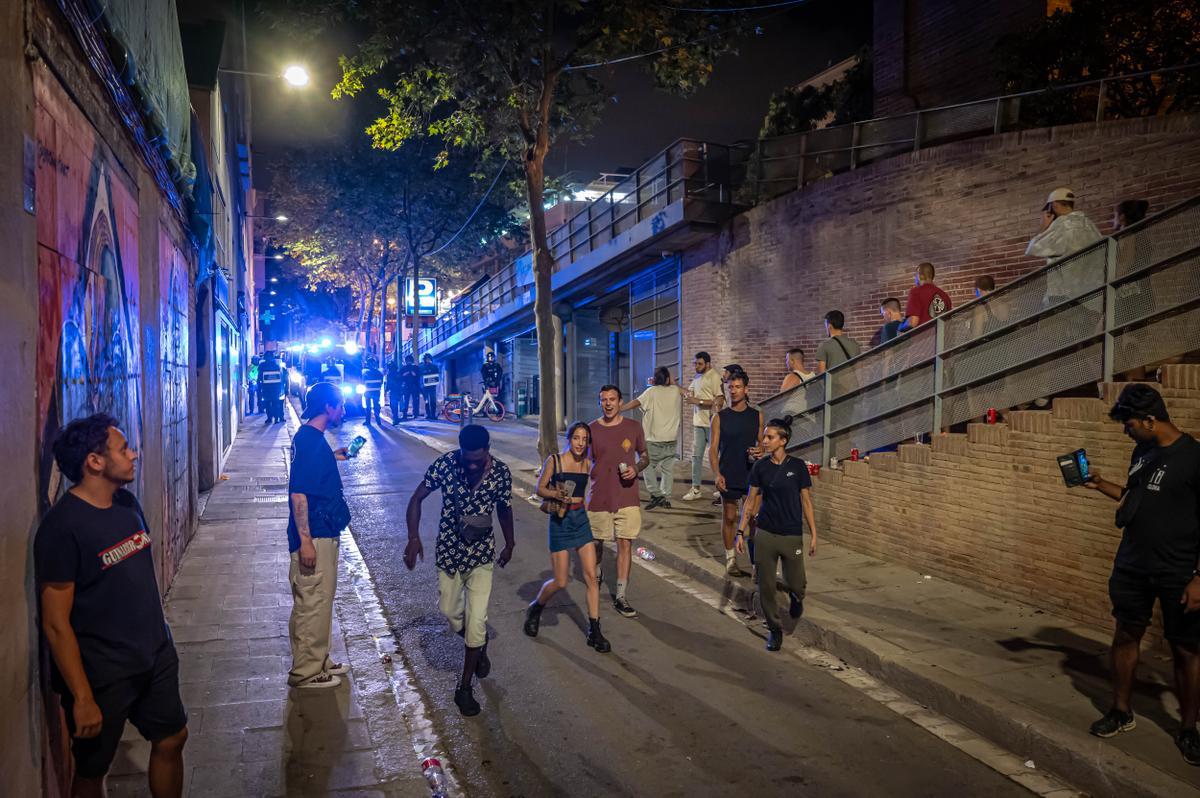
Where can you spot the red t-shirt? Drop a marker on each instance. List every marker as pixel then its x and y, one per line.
pixel 926 301
pixel 611 446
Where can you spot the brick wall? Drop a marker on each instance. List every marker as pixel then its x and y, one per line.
pixel 765 282
pixel 929 52
pixel 988 508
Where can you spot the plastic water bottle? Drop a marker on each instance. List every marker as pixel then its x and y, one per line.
pixel 435 777
pixel 645 553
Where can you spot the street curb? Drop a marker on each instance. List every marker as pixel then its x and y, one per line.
pixel 1086 762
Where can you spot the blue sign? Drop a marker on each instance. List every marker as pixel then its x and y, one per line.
pixel 426 296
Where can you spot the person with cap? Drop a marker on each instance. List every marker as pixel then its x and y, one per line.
pixel 474 485
pixel 372 380
pixel 431 376
pixel 270 387
pixel 410 388
pixel 492 374
pixel 317 514
pixel 1158 559
pixel 1064 231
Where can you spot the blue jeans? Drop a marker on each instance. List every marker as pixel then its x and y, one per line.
pixel 699 444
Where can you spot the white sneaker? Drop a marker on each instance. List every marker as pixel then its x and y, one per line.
pixel 716 494
pixel 692 495
pixel 322 680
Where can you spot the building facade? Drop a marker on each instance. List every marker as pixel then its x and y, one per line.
pixel 99 294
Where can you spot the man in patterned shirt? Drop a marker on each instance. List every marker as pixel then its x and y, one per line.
pixel 473 485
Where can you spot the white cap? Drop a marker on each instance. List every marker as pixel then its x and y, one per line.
pixel 1062 194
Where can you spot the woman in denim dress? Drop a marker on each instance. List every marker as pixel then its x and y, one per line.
pixel 564 479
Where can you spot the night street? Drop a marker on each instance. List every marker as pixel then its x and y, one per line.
pixel 687 703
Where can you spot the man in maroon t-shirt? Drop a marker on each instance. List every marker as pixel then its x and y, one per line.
pixel 614 507
pixel 925 300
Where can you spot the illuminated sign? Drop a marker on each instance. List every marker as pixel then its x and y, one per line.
pixel 426 295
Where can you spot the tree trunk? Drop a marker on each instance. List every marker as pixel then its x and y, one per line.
pixel 401 279
pixel 543 308
pixel 416 335
pixel 366 343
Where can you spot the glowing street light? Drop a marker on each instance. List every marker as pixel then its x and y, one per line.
pixel 296 75
pixel 281 218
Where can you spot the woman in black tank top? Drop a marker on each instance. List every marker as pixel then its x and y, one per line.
pixel 564 479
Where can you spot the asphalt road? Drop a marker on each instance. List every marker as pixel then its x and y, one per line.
pixel 687 704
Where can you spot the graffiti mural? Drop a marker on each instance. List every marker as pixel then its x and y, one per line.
pixel 89 338
pixel 178 488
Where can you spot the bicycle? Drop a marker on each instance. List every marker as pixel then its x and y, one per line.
pixel 452 408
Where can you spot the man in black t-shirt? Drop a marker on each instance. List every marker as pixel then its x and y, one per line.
pixel 1157 559
pixel 113 658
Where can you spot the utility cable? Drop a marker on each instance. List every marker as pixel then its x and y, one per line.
pixel 495 180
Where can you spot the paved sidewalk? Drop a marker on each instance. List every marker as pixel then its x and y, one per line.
pixel 250 735
pixel 1024 678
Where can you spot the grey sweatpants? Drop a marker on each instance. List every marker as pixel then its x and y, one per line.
pixel 770 548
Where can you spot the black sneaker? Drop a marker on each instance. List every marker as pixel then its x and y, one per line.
pixel 796 608
pixel 655 501
pixel 774 639
pixel 664 504
pixel 465 699
pixel 483 666
pixel 1113 723
pixel 1189 745
pixel 622 607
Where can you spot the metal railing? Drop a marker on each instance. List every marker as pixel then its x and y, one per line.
pixel 686 170
pixel 1127 301
pixel 784 163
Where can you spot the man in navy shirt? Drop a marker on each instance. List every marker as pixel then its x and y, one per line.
pixel 317 516
pixel 113 658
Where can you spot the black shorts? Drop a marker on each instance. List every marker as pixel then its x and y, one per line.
pixel 150 701
pixel 733 495
pixel 1133 595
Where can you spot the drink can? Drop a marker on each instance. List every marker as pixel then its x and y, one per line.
pixel 991 415
pixel 814 468
pixel 854 455
pixel 833 462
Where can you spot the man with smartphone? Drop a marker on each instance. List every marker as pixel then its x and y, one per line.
pixel 317 515
pixel 1157 559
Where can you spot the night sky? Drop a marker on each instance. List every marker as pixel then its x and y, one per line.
pixel 795 44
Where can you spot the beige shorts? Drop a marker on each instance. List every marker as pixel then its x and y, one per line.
pixel 625 523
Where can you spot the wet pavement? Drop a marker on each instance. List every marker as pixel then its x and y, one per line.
pixel 687 703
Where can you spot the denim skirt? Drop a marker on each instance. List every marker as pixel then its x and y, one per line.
pixel 571 531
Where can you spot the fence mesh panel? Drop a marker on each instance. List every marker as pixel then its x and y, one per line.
pixel 902 426
pixel 793 403
pixel 1153 243
pixel 1064 372
pixel 1068 325
pixel 1169 336
pixel 909 351
pixel 883 398
pixel 963 120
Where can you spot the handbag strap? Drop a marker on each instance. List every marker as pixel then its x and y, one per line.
pixel 845 351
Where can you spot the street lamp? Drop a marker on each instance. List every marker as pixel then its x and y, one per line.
pixel 295 75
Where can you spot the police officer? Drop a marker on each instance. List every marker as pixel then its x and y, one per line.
pixel 410 381
pixel 252 387
pixel 270 387
pixel 372 379
pixel 430 377
pixel 394 389
pixel 492 374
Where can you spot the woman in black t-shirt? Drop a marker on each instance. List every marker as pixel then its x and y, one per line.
pixel 780 498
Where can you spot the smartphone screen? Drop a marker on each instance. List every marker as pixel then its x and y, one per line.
pixel 1081 459
pixel 356 445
